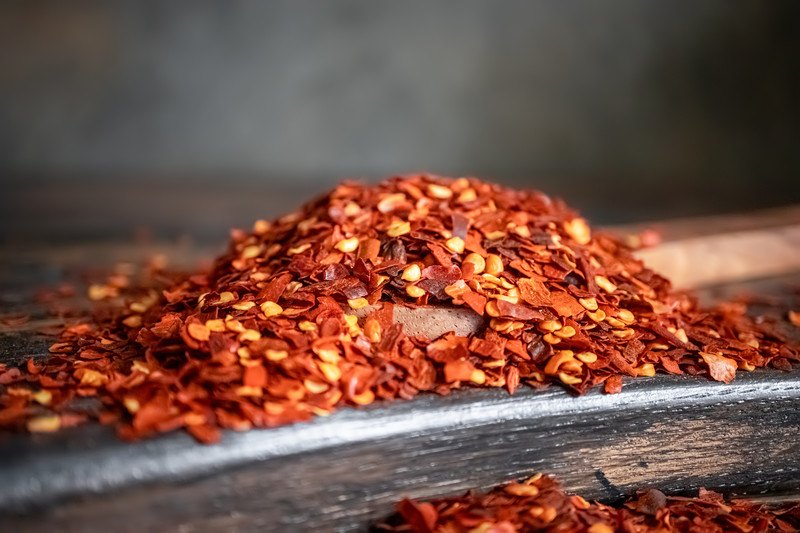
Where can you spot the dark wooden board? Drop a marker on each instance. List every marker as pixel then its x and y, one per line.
pixel 343 472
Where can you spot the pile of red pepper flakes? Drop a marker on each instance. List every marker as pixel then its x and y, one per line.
pixel 296 318
pixel 540 505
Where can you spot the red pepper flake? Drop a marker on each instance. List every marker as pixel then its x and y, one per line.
pixel 255 376
pixel 421 516
pixel 534 292
pixel 297 317
pixel 719 368
pixel 475 301
pixel 517 311
pixel 458 371
pixel 613 384
pixel 539 504
pixel 565 305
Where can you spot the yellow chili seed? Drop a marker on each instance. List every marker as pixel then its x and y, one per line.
pixel 597 316
pixel 579 502
pixel 139 307
pixel 455 244
pixel 251 252
pixel 550 325
pixel 315 387
pixel 308 326
pixel 615 323
pixel 276 355
pixel 298 249
pixel 440 192
pixel 398 228
pixel 249 392
pixel 131 404
pixel 44 424
pixel 249 335
pixel 590 304
pixel 507 298
pixel 331 372
pixel 494 265
pixel 500 325
pixel 244 352
pixel 518 489
pixel 626 333
pixel 198 332
pixel 566 332
pixel 43 397
pixel 133 321
pixel 646 370
pixel 478 377
pixel 555 362
pixel 491 278
pixel 626 316
pixel 523 231
pixel 467 195
pixel 271 309
pixel 327 353
pixel 587 357
pixel 260 227
pixel 373 330
pixel 365 398
pixel 567 379
pixel 414 291
pixel 604 283
pixel 457 289
pixel 390 202
pixel 412 273
pixel 351 209
pixel 357 303
pixel 578 230
pixel 549 338
pixel 347 245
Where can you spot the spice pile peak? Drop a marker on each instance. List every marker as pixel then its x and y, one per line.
pixel 301 315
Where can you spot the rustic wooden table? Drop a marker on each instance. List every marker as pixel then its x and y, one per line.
pixel 343 472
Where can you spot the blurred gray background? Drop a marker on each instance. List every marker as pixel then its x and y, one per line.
pixel 187 117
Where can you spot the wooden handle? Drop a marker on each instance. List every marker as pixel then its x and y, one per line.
pixel 717 259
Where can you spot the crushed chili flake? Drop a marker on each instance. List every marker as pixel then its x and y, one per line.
pixel 296 319
pixel 539 504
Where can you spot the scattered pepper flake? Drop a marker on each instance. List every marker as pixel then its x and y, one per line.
pixel 539 504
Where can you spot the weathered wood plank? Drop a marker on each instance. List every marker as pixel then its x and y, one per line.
pixel 346 470
pixel 342 472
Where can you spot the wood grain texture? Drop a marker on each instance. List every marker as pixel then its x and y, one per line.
pixel 343 472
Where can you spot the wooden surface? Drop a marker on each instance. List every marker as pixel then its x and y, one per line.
pixel 342 472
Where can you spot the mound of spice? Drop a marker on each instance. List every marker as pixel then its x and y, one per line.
pixel 540 505
pixel 299 317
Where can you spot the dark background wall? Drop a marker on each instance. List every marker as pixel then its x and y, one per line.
pixel 630 109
